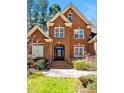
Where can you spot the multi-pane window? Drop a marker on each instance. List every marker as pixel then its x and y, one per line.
pixel 59 32
pixel 70 16
pixel 79 33
pixel 37 50
pixel 78 51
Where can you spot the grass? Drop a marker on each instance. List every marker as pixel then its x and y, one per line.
pixel 43 84
pixel 37 83
pixel 94 84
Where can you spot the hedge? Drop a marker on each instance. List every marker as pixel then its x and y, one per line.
pixel 81 64
pixel 40 64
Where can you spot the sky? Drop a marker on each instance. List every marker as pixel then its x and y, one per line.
pixel 86 7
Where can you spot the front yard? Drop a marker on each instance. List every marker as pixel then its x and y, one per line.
pixel 44 84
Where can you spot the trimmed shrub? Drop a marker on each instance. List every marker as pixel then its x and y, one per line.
pixel 40 64
pixel 84 81
pixel 81 65
pixel 89 81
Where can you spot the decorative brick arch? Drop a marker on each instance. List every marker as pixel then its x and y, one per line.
pixel 59 52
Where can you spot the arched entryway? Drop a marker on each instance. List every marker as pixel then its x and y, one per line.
pixel 59 52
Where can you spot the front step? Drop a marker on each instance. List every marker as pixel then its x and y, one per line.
pixel 59 65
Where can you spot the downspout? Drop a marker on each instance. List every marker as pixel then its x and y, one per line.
pixel 51 49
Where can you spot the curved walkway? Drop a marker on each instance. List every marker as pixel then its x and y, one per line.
pixel 68 73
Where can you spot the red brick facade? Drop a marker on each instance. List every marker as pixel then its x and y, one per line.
pixel 38 38
pixel 67 41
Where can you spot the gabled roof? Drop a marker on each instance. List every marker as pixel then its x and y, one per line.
pixel 56 16
pixel 77 11
pixel 39 29
pixel 94 39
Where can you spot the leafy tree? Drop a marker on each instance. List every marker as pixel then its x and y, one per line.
pixel 54 9
pixel 29 13
pixel 43 16
pixel 32 13
pixel 37 13
pixel 35 17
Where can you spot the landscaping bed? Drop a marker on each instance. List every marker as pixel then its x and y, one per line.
pixel 84 64
pixel 39 63
pixel 88 84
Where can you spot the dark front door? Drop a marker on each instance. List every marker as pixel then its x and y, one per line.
pixel 59 52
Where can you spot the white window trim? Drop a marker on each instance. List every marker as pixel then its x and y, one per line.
pixel 79 30
pixel 74 50
pixel 39 44
pixel 59 32
pixel 71 15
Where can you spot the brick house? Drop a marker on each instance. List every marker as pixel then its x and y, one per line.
pixel 66 39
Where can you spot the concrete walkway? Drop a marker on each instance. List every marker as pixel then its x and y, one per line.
pixel 67 73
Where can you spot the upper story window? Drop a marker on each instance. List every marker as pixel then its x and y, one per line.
pixel 59 32
pixel 79 33
pixel 70 16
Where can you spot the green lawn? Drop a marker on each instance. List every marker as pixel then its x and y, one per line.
pixel 37 83
pixel 42 84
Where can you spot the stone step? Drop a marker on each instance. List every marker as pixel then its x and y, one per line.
pixel 59 67
pixel 59 64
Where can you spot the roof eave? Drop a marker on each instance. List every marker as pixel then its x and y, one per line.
pixel 34 29
pixel 78 12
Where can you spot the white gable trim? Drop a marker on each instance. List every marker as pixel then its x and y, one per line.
pixel 77 12
pixel 39 29
pixel 94 39
pixel 56 16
